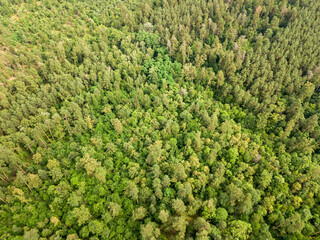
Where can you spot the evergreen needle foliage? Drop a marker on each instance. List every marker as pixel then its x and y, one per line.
pixel 149 119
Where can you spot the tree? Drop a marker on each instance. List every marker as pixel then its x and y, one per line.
pixel 132 190
pixel 221 214
pixel 82 215
pixel 110 127
pixel 179 172
pixel 200 224
pixel 154 155
pixel 220 78
pixel 240 229
pixel 294 224
pixel 164 215
pixel 31 235
pixel 178 206
pixel 150 231
pixel 310 123
pixel 114 209
pixel 34 181
pixel 100 174
pixel 93 167
pixel 96 227
pixel 73 236
pixel 117 125
pixel 235 194
pixel 179 225
pixel 139 213
pixel 37 158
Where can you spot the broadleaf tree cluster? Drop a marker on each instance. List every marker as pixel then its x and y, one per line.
pixel 149 119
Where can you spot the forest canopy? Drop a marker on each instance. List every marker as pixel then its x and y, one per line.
pixel 149 119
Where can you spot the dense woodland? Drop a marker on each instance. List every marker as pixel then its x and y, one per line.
pixel 151 119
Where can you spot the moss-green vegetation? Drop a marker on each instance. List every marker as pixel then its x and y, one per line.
pixel 151 119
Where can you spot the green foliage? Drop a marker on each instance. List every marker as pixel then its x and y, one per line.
pixel 159 119
pixel 162 69
pixel 150 39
